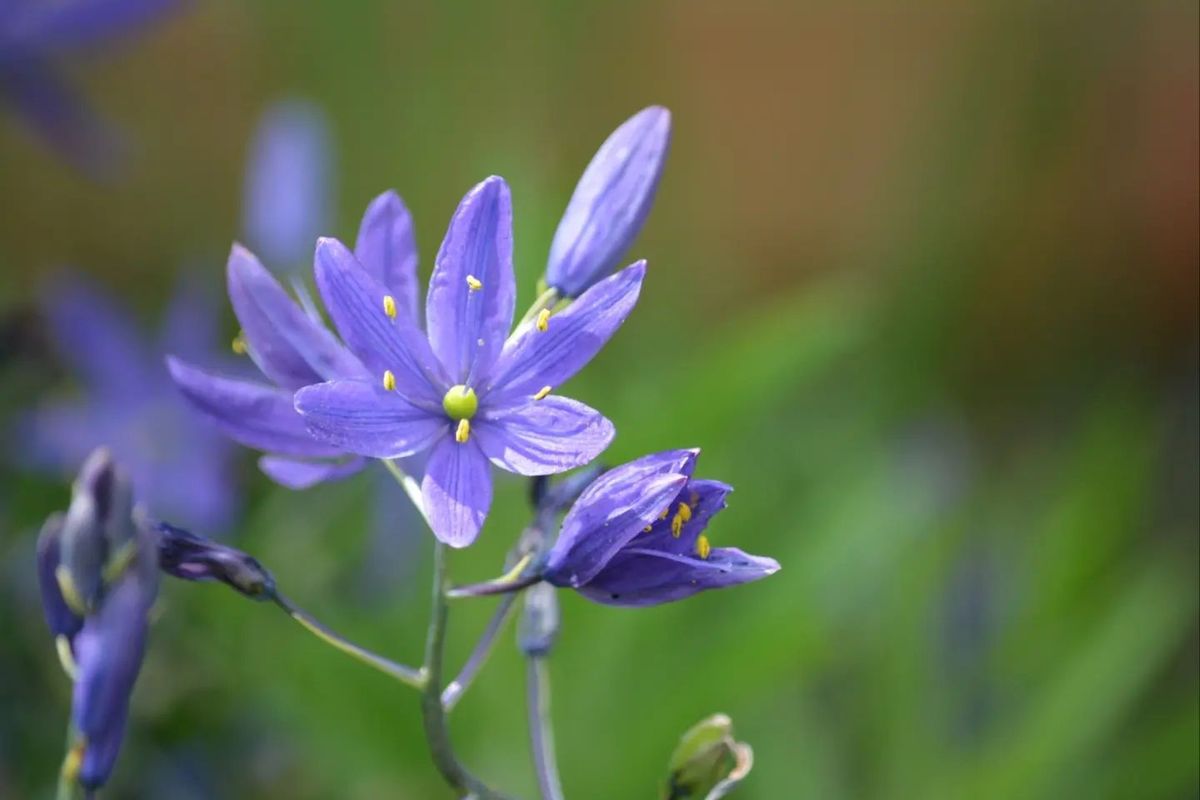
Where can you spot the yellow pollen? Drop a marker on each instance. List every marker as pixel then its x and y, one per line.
pixel 542 392
pixel 703 548
pixel 666 513
pixel 685 511
pixel 543 320
pixel 389 306
pixel 647 529
pixel 389 380
pixel 473 283
pixel 676 525
pixel 70 592
pixel 238 345
pixel 463 432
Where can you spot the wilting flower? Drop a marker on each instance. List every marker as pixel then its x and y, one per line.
pixel 98 570
pixel 288 197
pixel 293 349
pixel 33 35
pixel 194 558
pixel 610 203
pixel 635 537
pixel 130 404
pixel 464 393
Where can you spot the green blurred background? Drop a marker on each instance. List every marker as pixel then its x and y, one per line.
pixel 923 286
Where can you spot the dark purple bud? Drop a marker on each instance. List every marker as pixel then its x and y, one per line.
pixel 84 545
pixel 539 620
pixel 108 653
pixel 59 616
pixel 194 558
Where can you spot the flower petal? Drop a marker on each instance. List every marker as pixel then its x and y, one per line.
pixel 388 251
pixel 299 475
pixel 544 436
pixel 611 202
pixel 290 347
pixel 705 499
pixel 82 22
pixel 365 418
pixel 535 358
pixel 61 620
pixel 457 491
pixel 355 302
pixel 612 510
pixel 638 577
pixel 287 191
pixel 472 290
pixel 254 415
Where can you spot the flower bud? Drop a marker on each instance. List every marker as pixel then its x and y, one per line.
pixel 539 621
pixel 195 558
pixel 707 762
pixel 97 526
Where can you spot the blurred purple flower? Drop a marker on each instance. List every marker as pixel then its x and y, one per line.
pixel 288 191
pixel 98 571
pixel 610 203
pixel 129 403
pixel 293 349
pixel 33 35
pixel 464 392
pixel 635 537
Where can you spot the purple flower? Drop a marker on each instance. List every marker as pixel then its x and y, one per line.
pixel 610 203
pixel 33 34
pixel 464 392
pixel 287 199
pixel 293 349
pixel 129 403
pixel 635 537
pixel 98 571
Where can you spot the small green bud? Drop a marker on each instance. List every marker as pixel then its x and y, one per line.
pixel 707 763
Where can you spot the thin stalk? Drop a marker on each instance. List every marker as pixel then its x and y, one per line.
pixel 437 733
pixel 406 675
pixel 541 729
pixel 483 648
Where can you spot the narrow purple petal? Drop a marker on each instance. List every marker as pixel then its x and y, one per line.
pixel 387 250
pixel 287 191
pixel 610 203
pixel 534 358
pixel 472 291
pixel 299 475
pixel 61 118
pixel 365 418
pixel 77 23
pixel 289 346
pixel 355 302
pixel 254 415
pixel 97 338
pixel 638 577
pixel 457 491
pixel 190 324
pixel 544 436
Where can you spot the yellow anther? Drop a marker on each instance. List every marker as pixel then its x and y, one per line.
pixel 647 529
pixel 473 283
pixel 389 306
pixel 676 525
pixel 389 380
pixel 703 548
pixel 238 345
pixel 666 512
pixel 543 319
pixel 70 592
pixel 63 645
pixel 542 392
pixel 685 511
pixel 463 431
pixel 73 761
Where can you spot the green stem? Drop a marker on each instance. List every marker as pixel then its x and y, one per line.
pixel 541 730
pixel 437 731
pixel 483 648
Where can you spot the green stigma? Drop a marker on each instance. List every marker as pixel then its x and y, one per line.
pixel 460 402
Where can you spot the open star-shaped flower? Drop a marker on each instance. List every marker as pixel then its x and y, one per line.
pixel 464 392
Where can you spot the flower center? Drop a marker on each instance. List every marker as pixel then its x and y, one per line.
pixel 460 402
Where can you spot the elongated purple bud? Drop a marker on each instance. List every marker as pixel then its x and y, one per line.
pixel 194 558
pixel 610 203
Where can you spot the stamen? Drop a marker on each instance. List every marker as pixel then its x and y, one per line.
pixel 389 380
pixel 73 762
pixel 389 306
pixel 238 345
pixel 665 514
pixel 703 548
pixel 463 432
pixel 542 392
pixel 65 657
pixel 543 320
pixel 676 525
pixel 685 511
pixel 473 283
pixel 647 529
pixel 70 592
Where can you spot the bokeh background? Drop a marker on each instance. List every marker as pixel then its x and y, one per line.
pixel 923 285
